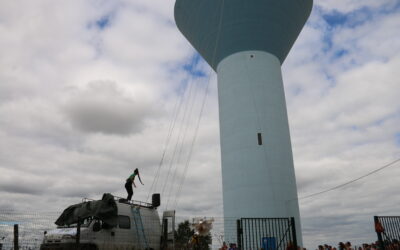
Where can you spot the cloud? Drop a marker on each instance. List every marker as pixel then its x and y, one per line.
pixel 341 82
pixel 103 108
pixel 90 90
pixel 17 188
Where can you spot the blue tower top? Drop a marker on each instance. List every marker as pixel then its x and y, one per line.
pixel 267 25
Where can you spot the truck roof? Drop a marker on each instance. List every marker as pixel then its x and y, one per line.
pixel 125 201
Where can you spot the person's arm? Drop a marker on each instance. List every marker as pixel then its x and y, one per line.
pixel 140 179
pixel 133 183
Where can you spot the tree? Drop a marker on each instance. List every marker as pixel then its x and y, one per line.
pixel 184 238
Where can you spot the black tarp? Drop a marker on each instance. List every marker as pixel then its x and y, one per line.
pixel 104 209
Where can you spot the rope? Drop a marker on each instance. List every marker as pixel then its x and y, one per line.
pixel 176 112
pixel 170 130
pixel 350 182
pixel 180 151
pixel 181 134
pixel 202 106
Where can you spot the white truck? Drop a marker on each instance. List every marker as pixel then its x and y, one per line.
pixel 112 223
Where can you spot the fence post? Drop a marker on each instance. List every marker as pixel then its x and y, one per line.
pixel 376 222
pixel 239 234
pixel 292 221
pixel 16 236
pixel 165 234
pixel 78 233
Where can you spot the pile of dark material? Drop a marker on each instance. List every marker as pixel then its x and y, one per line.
pixel 104 209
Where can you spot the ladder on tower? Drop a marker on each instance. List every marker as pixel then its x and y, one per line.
pixel 143 243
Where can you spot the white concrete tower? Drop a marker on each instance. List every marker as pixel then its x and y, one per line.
pixel 245 42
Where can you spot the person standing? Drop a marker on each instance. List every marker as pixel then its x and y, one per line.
pixel 224 246
pixel 131 181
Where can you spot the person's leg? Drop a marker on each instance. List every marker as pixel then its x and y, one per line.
pixel 130 193
pixel 128 187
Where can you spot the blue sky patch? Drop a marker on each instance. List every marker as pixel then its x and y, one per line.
pixel 327 40
pixel 355 128
pixel 335 18
pixel 389 9
pixel 398 139
pixel 103 22
pixel 340 53
pixel 351 19
pixel 192 66
pixel 379 122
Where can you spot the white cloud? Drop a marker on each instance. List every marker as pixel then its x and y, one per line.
pixel 344 117
pixel 102 107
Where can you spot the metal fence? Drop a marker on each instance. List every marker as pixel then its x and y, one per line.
pixel 388 231
pixel 32 225
pixel 247 233
pixel 266 233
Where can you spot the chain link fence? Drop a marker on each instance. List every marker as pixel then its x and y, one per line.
pixel 33 225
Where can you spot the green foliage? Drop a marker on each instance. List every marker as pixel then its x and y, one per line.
pixel 184 238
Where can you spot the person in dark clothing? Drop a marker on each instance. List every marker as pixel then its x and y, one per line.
pixel 131 181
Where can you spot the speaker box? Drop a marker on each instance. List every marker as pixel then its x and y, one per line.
pixel 156 200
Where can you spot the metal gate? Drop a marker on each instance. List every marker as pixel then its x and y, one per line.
pixel 388 230
pixel 266 233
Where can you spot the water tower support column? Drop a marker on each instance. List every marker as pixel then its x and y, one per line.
pixel 257 165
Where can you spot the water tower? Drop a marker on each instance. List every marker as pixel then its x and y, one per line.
pixel 246 42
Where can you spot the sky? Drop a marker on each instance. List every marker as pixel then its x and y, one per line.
pixel 91 90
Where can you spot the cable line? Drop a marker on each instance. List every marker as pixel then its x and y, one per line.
pixel 221 13
pixel 180 153
pixel 191 146
pixel 175 115
pixel 181 136
pixel 352 181
pixel 170 130
pixel 177 108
